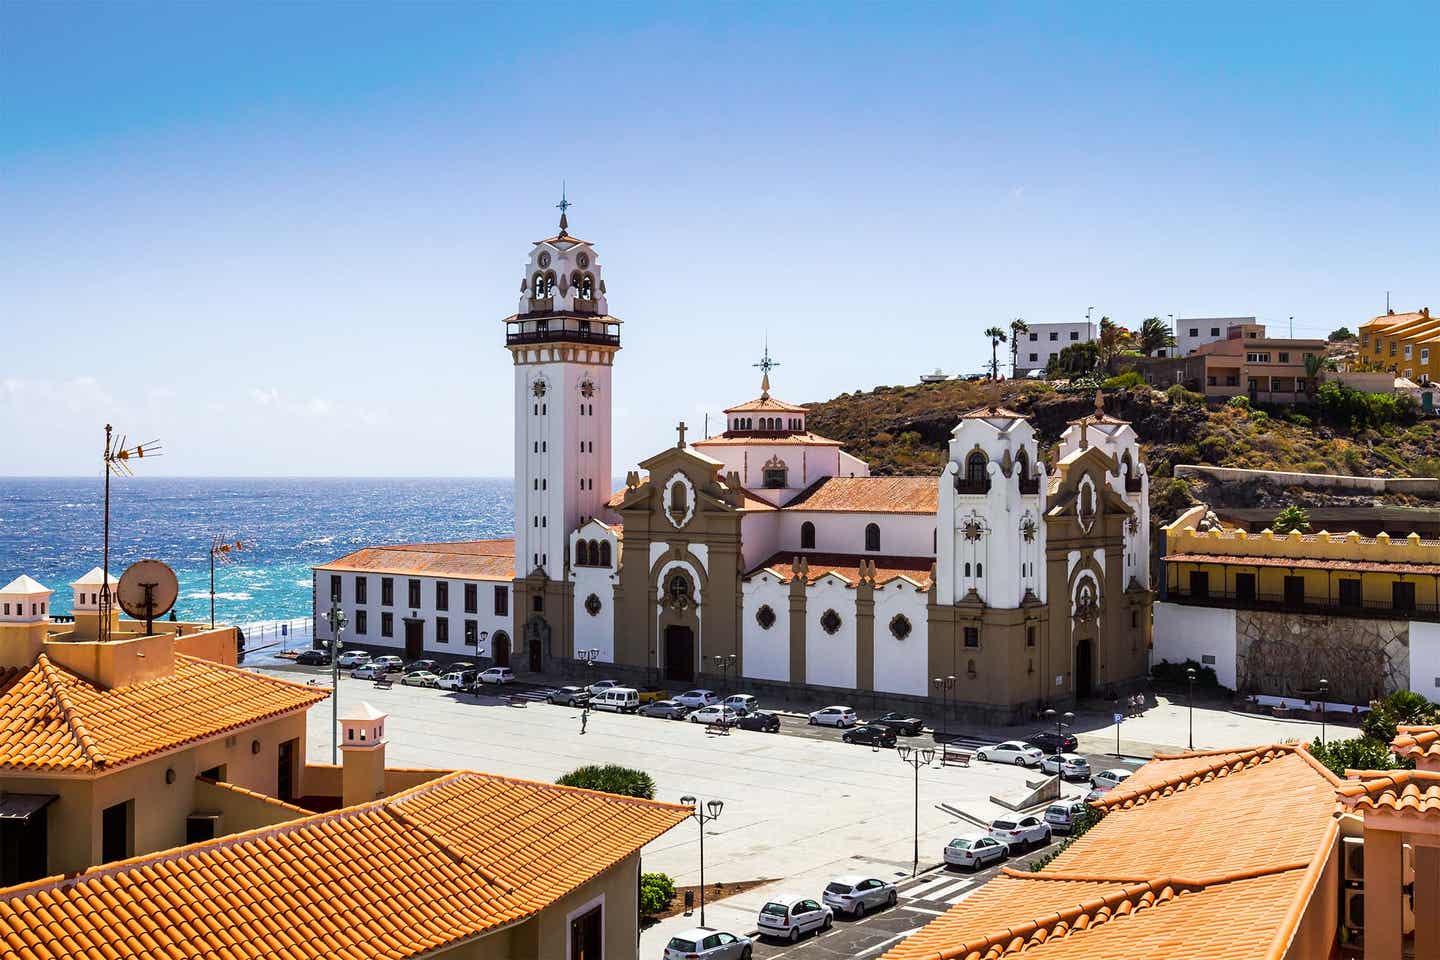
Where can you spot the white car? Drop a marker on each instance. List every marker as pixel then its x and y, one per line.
pixel 600 686
pixel 420 678
pixel 857 894
pixel 742 703
pixel 497 675
pixel 1017 833
pixel 1011 751
pixel 975 850
pixel 1070 766
pixel 368 671
pixel 388 662
pixel 457 680
pixel 788 917
pixel 695 699
pixel 1107 780
pixel 834 717
pixel 353 658
pixel 707 943
pixel 715 713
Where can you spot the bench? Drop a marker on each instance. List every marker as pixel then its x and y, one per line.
pixel 383 683
pixel 718 729
pixel 955 757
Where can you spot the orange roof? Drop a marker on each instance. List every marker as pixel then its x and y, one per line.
pixel 766 404
pixel 51 719
pixel 847 565
pixel 1416 742
pixel 744 437
pixel 1409 791
pixel 450 860
pixel 463 560
pixel 1216 848
pixel 870 495
pixel 1354 566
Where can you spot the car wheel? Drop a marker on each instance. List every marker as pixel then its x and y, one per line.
pixel 812 721
pixel 892 899
pixel 982 756
pixel 745 954
pixel 828 920
pixel 794 934
pixel 1019 761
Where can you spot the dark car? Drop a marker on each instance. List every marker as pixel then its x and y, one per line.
pixel 759 720
pixel 415 666
pixel 668 709
pixel 314 658
pixel 1050 742
pixel 901 724
pixel 871 733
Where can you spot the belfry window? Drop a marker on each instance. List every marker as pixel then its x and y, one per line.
pixel 807 536
pixel 976 479
pixel 872 537
pixel 587 287
pixel 679 503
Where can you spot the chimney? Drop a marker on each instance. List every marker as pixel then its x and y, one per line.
pixel 362 743
pixel 24 621
pixel 87 605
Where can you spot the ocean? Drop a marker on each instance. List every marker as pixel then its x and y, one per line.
pixel 51 529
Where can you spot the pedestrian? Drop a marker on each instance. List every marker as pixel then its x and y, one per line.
pixel 584 718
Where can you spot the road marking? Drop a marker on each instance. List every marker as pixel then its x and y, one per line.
pixel 933 913
pixel 881 946
pixel 946 890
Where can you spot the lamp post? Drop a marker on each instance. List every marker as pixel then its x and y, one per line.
pixel 480 640
pixel 587 657
pixel 1324 692
pixel 917 757
pixel 1062 720
pixel 943 686
pixel 710 812
pixel 724 662
pixel 1190 676
pixel 336 616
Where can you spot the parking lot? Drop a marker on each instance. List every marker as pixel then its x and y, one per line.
pixel 799 807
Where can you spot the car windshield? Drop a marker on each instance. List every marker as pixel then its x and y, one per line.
pixel 838 888
pixel 962 844
pixel 683 945
pixel 1004 824
pixel 1060 809
pixel 774 910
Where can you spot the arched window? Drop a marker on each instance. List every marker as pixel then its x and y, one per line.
pixel 587 287
pixel 967 569
pixel 976 479
pixel 679 504
pixel 872 537
pixel 1022 465
pixel 582 553
pixel 979 569
pixel 807 536
pixel 679 589
pixel 604 553
pixel 537 286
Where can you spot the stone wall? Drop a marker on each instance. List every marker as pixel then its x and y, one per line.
pixel 1285 654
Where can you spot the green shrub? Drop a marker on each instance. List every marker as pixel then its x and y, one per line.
pixel 1178 394
pixel 1291 518
pixel 1213 449
pixel 611 778
pixel 1168 672
pixel 1299 419
pixel 1126 380
pixel 1403 707
pixel 1241 402
pixel 656 892
pixel 1358 753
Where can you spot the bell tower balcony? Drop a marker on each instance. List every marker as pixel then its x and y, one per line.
pixel 562 326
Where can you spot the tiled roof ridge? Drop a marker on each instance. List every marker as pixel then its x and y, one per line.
pixel 1226 763
pixel 1416 740
pixel 1173 879
pixel 393 810
pixel 54 678
pixel 256 794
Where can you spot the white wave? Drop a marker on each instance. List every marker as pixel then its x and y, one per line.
pixel 205 595
pixel 316 542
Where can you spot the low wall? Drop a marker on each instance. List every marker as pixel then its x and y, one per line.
pixel 1417 486
pixel 243 809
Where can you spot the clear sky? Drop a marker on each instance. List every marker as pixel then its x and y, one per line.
pixel 282 237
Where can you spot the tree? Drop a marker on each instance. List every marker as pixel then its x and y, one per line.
pixel 1341 335
pixel 1154 335
pixel 611 778
pixel 1292 517
pixel 1358 753
pixel 1114 340
pixel 1401 708
pixel 1075 359
pixel 656 892
pixel 997 337
pixel 1314 365
pixel 1018 328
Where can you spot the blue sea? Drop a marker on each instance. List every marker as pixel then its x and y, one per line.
pixel 51 529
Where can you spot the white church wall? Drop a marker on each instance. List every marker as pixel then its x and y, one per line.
pixel 1203 634
pixel 901 665
pixel 901 534
pixel 595 631
pixel 830 658
pixel 759 537
pixel 766 652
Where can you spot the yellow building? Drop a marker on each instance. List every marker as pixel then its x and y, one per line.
pixel 1407 344
pixel 1274 614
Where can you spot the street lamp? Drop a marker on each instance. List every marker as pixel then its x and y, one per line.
pixel 336 616
pixel 723 663
pixel 943 686
pixel 1324 691
pixel 480 639
pixel 702 817
pixel 1062 720
pixel 1190 675
pixel 587 657
pixel 917 757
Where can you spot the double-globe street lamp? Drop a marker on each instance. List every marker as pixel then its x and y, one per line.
pixel 1324 693
pixel 587 657
pixel 724 662
pixel 1190 676
pixel 1062 721
pixel 917 757
pixel 943 686
pixel 711 811
pixel 337 619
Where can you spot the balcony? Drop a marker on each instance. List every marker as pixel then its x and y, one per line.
pixel 1029 486
pixel 972 487
pixel 563 335
pixel 1277 603
pixel 1132 484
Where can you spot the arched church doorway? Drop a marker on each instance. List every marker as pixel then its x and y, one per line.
pixel 500 649
pixel 679 654
pixel 1084 668
pixel 534 654
pixel 537 638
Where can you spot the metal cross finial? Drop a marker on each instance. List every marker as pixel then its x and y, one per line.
pixel 563 206
pixel 681 431
pixel 766 364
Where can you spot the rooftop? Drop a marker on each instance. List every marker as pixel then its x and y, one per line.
pixel 455 858
pixel 847 566
pixel 919 495
pixel 757 437
pixel 463 560
pixel 51 719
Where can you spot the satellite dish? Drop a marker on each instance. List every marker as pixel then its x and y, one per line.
pixel 147 589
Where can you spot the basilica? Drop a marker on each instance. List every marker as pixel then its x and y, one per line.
pixel 768 558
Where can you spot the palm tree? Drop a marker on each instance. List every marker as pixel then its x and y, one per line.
pixel 1114 340
pixel 1154 335
pixel 1018 327
pixel 1314 366
pixel 997 337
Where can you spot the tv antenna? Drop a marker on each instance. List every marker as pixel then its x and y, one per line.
pixel 223 552
pixel 117 457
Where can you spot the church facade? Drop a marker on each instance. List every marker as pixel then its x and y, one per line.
pixel 768 556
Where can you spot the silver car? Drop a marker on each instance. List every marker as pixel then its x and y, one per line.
pixel 975 850
pixel 1063 816
pixel 707 943
pixel 1070 766
pixel 1107 780
pixel 857 894
pixel 1011 751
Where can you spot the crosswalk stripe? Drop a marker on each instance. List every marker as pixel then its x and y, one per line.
pixel 945 890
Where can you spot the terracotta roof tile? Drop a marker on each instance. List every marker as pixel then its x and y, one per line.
pixel 736 439
pixel 444 862
pixel 1412 791
pixel 766 404
pixel 1416 742
pixel 1359 566
pixel 463 560
pixel 870 495
pixel 847 565
pixel 51 719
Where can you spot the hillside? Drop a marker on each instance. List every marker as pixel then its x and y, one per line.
pixel 905 430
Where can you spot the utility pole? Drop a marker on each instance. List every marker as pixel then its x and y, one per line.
pixel 336 616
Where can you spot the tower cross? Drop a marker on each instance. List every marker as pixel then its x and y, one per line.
pixel 680 429
pixel 766 365
pixel 563 206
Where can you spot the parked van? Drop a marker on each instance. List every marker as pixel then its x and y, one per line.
pixel 619 699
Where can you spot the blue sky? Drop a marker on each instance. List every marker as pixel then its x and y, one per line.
pixel 282 237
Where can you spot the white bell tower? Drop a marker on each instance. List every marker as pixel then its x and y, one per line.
pixel 563 342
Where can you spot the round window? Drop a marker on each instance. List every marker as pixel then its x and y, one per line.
pixel 582 260
pixel 900 626
pixel 830 621
pixel 592 605
pixel 765 617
